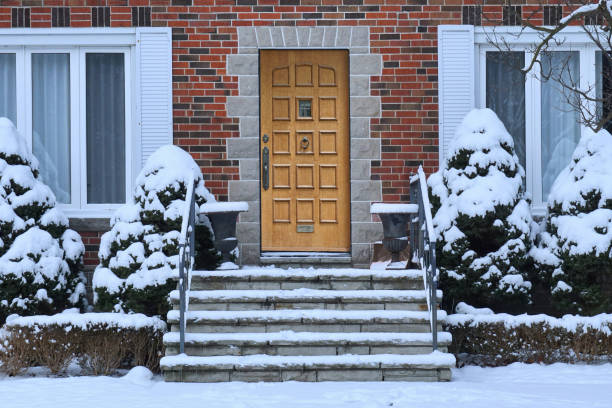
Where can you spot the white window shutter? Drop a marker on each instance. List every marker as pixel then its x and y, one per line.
pixel 455 80
pixel 154 108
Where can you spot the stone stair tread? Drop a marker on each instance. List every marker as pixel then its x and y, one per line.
pixel 305 315
pixel 303 295
pixel 307 338
pixel 307 274
pixel 432 360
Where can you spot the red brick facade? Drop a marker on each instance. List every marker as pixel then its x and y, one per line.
pixel 204 33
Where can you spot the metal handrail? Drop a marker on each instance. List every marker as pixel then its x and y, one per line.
pixel 423 246
pixel 186 259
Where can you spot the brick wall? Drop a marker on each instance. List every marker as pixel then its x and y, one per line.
pixel 204 33
pixel 91 240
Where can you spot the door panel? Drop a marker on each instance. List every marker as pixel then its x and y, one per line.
pixel 305 206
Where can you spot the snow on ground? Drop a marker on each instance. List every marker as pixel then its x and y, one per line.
pixel 517 385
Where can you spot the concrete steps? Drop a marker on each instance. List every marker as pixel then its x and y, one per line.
pixel 304 298
pixel 381 367
pixel 332 321
pixel 290 343
pixel 269 324
pixel 331 279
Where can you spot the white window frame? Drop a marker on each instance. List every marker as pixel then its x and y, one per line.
pixel 575 40
pixel 77 42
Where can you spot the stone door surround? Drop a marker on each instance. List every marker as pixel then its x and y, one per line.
pixel 245 149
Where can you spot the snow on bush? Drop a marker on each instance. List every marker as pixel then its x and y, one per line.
pixel 40 258
pixel 139 255
pixel 500 339
pixel 574 252
pixel 482 220
pixel 101 342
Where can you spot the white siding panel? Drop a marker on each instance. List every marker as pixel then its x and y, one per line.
pixel 456 79
pixel 155 86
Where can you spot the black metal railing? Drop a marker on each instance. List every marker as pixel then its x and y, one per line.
pixel 423 246
pixel 186 260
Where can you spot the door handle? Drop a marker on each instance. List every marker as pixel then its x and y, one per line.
pixel 265 168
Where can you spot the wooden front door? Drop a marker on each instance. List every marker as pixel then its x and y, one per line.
pixel 305 188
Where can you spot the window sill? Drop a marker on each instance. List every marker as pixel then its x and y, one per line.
pixel 89 220
pixel 90 224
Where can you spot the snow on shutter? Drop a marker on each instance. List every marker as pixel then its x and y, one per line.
pixel 154 51
pixel 456 79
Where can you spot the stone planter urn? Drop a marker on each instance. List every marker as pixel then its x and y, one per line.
pixel 223 217
pixel 395 219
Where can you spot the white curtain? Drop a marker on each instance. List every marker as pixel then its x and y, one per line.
pixel 560 127
pixel 51 120
pixel 105 118
pixel 506 95
pixel 8 89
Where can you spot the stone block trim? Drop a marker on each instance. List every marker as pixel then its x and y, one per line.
pixel 354 38
pixel 245 65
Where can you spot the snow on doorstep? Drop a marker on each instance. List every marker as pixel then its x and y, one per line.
pixel 305 293
pixel 568 322
pixel 384 208
pixel 514 386
pixel 227 266
pixel 310 337
pixel 220 207
pixel 259 272
pixel 306 314
pixel 436 359
pixel 85 320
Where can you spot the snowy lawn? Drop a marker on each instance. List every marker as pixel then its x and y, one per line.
pixel 518 385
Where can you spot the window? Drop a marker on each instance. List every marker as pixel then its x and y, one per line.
pixel 72 105
pixel 8 87
pixel 537 112
pixel 505 94
pixel 560 130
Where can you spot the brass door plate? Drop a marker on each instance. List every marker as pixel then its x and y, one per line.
pixel 305 228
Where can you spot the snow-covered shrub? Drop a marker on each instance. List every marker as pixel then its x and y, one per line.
pixel 501 339
pixel 482 221
pixel 139 255
pixel 40 258
pixel 102 342
pixel 574 252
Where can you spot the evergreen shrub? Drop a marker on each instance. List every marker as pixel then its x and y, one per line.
pixel 482 218
pixel 573 257
pixel 139 255
pixel 40 257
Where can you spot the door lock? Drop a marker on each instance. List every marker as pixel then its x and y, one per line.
pixel 265 138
